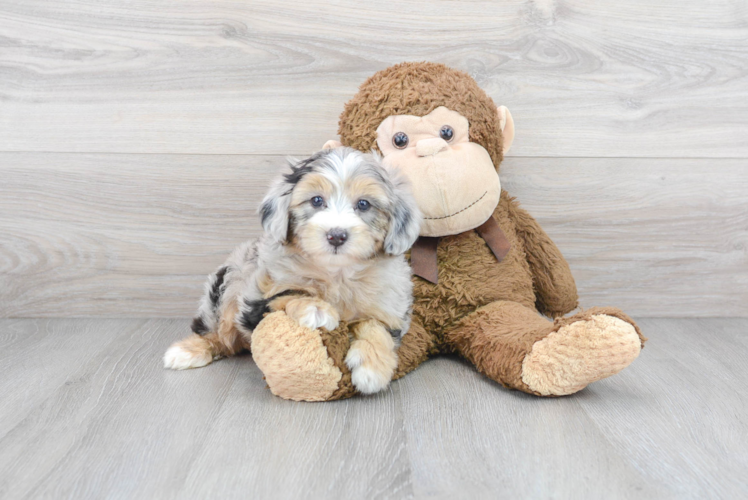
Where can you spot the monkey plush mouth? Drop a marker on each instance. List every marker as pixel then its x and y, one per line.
pixel 459 211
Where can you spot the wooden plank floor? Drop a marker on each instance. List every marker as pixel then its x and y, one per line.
pixel 88 412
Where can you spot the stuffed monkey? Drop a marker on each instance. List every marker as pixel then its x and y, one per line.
pixel 485 273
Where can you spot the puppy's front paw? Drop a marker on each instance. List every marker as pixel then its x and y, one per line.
pixel 192 352
pixel 313 313
pixel 371 368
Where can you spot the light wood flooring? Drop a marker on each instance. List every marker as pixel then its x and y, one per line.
pixel 86 411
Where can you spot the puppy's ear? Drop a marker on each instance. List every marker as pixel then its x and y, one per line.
pixel 277 203
pixel 274 210
pixel 405 217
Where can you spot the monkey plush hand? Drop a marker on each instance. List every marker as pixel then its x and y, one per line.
pixel 485 273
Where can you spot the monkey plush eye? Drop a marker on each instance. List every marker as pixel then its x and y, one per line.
pixel 447 133
pixel 317 201
pixel 400 140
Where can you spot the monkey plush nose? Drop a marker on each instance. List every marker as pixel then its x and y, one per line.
pixel 336 236
pixel 428 147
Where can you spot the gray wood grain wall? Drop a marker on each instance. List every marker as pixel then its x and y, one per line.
pixel 136 138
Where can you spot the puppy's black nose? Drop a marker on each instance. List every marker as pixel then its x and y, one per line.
pixel 336 236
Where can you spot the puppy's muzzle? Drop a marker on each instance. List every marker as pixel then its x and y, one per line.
pixel 337 236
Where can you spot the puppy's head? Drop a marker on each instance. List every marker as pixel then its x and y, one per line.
pixel 342 205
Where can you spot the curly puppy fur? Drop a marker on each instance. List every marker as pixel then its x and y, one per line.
pixel 336 228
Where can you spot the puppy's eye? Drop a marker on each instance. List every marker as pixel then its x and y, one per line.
pixel 317 201
pixel 363 205
pixel 447 133
pixel 400 140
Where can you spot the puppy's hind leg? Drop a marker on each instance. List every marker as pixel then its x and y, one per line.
pixel 199 350
pixel 192 352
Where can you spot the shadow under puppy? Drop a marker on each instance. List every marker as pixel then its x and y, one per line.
pixel 336 228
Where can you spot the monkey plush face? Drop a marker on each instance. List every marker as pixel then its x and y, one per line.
pixel 442 131
pixel 435 153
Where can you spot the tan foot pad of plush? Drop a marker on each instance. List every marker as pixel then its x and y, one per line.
pixel 294 360
pixel 569 359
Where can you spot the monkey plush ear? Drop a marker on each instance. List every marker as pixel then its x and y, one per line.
pixel 507 127
pixel 274 209
pixel 332 144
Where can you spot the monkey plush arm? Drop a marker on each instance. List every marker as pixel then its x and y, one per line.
pixel 555 290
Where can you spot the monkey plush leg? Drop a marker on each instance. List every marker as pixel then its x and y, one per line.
pixel 518 348
pixel 309 365
pixel 581 349
pixel 301 363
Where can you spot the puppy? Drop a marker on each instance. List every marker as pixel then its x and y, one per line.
pixel 336 228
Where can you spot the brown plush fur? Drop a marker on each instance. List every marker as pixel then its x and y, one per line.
pixel 472 282
pixel 497 337
pixel 485 310
pixel 418 89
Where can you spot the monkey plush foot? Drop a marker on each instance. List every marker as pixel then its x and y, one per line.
pixel 579 353
pixel 296 362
